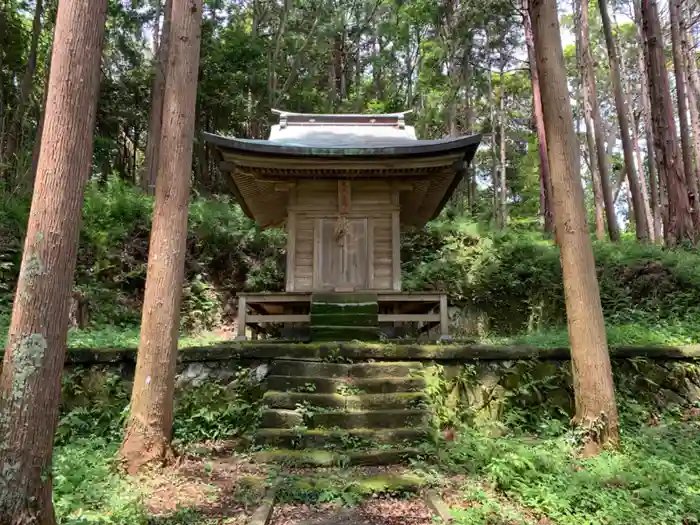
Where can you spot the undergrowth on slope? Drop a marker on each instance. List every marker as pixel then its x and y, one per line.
pixel 507 284
pixel 652 480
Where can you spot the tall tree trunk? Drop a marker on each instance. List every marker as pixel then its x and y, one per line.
pixel 680 223
pixel 598 201
pixel 588 81
pixel 30 384
pixel 545 179
pixel 691 67
pixel 652 164
pixel 640 220
pixel 596 411
pixel 149 431
pixel 36 148
pixel 155 117
pixel 494 156
pixel 25 89
pixel 680 74
pixel 503 204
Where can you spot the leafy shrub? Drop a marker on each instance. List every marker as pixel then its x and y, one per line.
pixel 95 405
pixel 226 253
pixel 87 488
pixel 215 411
pixel 653 479
pixel 514 277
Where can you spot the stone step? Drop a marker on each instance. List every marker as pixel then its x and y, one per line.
pixel 328 385
pixel 325 458
pixel 346 439
pixel 343 298
pixel 290 400
pixel 291 367
pixel 345 318
pixel 281 418
pixel 385 369
pixel 370 308
pixel 344 333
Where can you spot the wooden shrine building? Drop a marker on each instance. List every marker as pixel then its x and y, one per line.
pixel 343 186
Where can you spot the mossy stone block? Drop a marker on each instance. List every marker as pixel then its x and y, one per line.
pixel 345 319
pixel 344 333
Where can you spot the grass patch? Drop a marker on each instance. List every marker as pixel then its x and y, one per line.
pixel 654 478
pixel 658 333
pixel 88 489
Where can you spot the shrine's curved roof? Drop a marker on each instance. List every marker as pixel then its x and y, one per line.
pixel 343 146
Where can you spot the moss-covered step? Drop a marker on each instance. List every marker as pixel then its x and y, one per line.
pixel 327 385
pixel 396 400
pixel 294 367
pixel 281 418
pixel 292 438
pixel 291 367
pixel 344 333
pixel 343 298
pixel 326 458
pixel 345 318
pixel 292 489
pixel 385 369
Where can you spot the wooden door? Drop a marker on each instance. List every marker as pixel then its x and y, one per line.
pixel 340 259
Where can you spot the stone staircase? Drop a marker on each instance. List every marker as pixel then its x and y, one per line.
pixel 323 414
pixel 344 317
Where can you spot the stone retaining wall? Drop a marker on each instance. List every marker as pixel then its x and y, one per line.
pixel 483 384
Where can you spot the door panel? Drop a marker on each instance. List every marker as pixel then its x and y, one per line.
pixel 341 254
pixel 355 267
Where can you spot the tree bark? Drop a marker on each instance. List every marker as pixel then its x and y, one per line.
pixel 155 118
pixel 24 90
pixel 681 75
pixel 588 81
pixel 691 68
pixel 30 383
pixel 503 205
pixel 640 220
pixel 596 411
pixel 680 223
pixel 545 180
pixel 149 430
pixel 652 163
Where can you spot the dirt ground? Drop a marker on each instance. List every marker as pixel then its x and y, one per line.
pixel 376 511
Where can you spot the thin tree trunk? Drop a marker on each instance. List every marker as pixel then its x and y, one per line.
pixel 691 70
pixel 36 148
pixel 652 164
pixel 644 187
pixel 596 411
pixel 545 179
pixel 588 81
pixel 680 74
pixel 640 221
pixel 30 383
pixel 25 89
pixel 149 431
pixel 680 223
pixel 503 205
pixel 155 118
pixel 494 157
pixel 593 151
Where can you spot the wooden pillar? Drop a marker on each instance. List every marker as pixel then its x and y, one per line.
pixel 444 319
pixel 240 329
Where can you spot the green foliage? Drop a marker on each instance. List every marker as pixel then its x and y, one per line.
pixel 87 488
pixel 95 405
pixel 514 279
pixel 653 479
pixel 98 406
pixel 226 253
pixel 212 411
